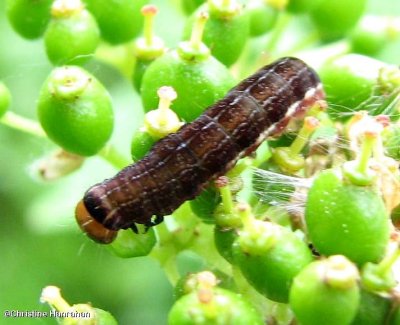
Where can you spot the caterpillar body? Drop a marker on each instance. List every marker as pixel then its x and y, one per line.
pixel 180 165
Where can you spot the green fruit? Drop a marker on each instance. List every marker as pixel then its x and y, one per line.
pixel 29 18
pixel 351 81
pixel 262 17
pixel 372 34
pixel 5 99
pixel 148 47
pixel 270 256
pixel 104 317
pixel 372 310
pixel 198 84
pixel 395 216
pixel 189 6
pixel 128 244
pixel 335 19
pixel 394 317
pixel 191 282
pixel 141 143
pixel 71 37
pixel 341 217
pixel 75 110
pixel 226 32
pixel 138 72
pixel 224 239
pixel 220 307
pixel 326 292
pixel 119 20
pixel 302 6
pixel 205 204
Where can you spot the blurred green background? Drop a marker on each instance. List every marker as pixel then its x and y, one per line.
pixel 40 243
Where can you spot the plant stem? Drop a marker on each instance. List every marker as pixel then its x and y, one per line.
pixel 110 154
pixel 227 201
pixel 276 34
pixel 26 125
pixel 23 124
pixel 386 265
pixel 309 126
pixel 366 151
pixel 304 43
pixel 198 30
pixel 149 12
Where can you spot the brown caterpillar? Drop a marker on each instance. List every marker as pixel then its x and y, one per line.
pixel 178 166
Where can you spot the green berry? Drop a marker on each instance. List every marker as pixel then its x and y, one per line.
pixel 227 30
pixel 341 217
pixel 198 82
pixel 72 35
pixel 335 19
pixel 104 317
pixel 262 17
pixel 128 244
pixel 29 18
pixel 193 281
pixel 373 33
pixel 394 316
pixel 141 143
pixel 372 310
pixel 302 6
pixel 212 307
pixel 224 239
pixel 352 80
pixel 75 110
pixel 326 292
pixel 5 99
pixel 189 6
pixel 205 204
pixel 270 256
pixel 119 20
pixel 198 78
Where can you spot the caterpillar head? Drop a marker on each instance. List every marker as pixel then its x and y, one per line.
pixel 94 229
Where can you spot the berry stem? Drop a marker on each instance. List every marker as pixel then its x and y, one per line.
pixel 246 216
pixel 198 30
pixel 23 124
pixel 276 34
pixel 26 125
pixel 222 183
pixel 166 95
pixel 385 266
pixel 52 296
pixel 114 157
pixel 163 120
pixel 149 12
pixel 367 147
pixel 309 126
pixel 304 43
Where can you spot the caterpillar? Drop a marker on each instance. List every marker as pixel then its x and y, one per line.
pixel 179 166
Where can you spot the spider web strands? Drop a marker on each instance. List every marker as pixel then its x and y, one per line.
pixel 375 104
pixel 281 190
